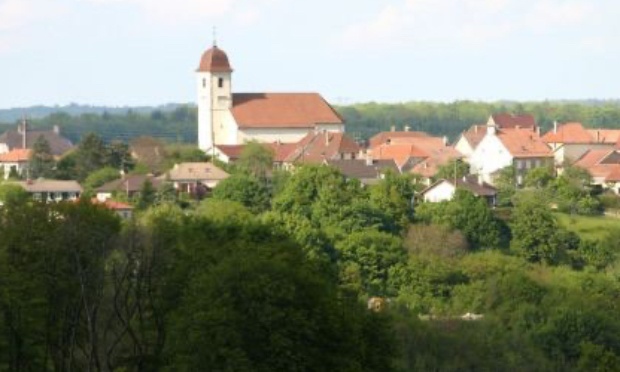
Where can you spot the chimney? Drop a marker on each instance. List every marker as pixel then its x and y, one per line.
pixel 480 180
pixel 475 128
pixel 24 133
pixel 598 135
pixel 56 129
pixel 445 140
pixel 326 138
pixel 393 128
pixel 538 131
pixel 555 126
pixel 407 128
pixel 369 159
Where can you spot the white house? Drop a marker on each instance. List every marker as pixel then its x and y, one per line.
pixel 500 148
pixel 17 160
pixel 444 190
pixel 51 190
pixel 226 118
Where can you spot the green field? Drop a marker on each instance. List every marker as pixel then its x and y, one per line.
pixel 588 227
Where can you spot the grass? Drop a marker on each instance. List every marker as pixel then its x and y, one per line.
pixel 588 227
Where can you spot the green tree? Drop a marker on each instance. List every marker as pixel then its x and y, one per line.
pixel 454 169
pixel 536 234
pixel 41 162
pixel 147 195
pixel 255 159
pixel 90 155
pixel 245 189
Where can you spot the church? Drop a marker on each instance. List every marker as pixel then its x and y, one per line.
pixel 227 118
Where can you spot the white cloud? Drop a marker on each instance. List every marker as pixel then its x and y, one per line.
pixel 468 22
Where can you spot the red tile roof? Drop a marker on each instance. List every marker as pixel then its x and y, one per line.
pixel 505 120
pixel 16 155
pixel 232 151
pixel 112 204
pixel 214 60
pixel 568 133
pixel 282 110
pixel 575 133
pixel 399 152
pixel 607 136
pixel 524 143
pixel 601 163
pixel 280 150
pixel 317 147
pixel 387 137
pixel 475 134
pixel 430 166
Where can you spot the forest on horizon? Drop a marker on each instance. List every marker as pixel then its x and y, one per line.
pixel 177 122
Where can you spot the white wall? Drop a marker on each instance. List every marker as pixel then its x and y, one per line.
pixel 444 191
pixel 286 135
pixel 489 157
pixel 211 96
pixel 463 146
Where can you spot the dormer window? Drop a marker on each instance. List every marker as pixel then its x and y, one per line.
pixel 220 82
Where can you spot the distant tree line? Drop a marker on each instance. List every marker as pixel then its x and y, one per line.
pixel 179 123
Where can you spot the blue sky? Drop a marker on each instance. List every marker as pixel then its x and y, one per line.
pixel 144 52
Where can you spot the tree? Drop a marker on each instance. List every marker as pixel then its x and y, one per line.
pixel 41 162
pixel 535 231
pixel 539 177
pixel 394 196
pixel 454 169
pixel 255 159
pixel 506 183
pixel 147 195
pixel 90 155
pixel 100 177
pixel 118 156
pixel 245 189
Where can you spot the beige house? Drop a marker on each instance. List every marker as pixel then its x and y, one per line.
pixel 51 190
pixel 444 190
pixel 187 177
pixel 227 118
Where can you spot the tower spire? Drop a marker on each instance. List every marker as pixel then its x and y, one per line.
pixel 214 36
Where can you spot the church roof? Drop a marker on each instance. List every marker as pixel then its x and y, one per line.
pixel 214 60
pixel 282 110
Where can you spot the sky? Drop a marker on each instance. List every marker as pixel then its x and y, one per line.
pixel 145 52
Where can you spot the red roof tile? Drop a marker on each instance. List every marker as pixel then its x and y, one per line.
pixel 317 147
pixel 430 166
pixel 568 133
pixel 506 120
pixel 387 137
pixel 475 134
pixel 523 143
pixel 282 110
pixel 399 152
pixel 16 155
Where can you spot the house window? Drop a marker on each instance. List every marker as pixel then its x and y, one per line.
pixel 220 82
pixel 204 83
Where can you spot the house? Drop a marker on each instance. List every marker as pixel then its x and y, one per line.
pixel 427 169
pixel 17 160
pixel 570 141
pixel 24 138
pixel 382 138
pixel 316 147
pixel 123 210
pixel 128 185
pixel 227 118
pixel 444 189
pixel 407 151
pixel 51 190
pixel 231 153
pixel 367 171
pixel 189 177
pixel 522 148
pixel 469 140
pixel 604 167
